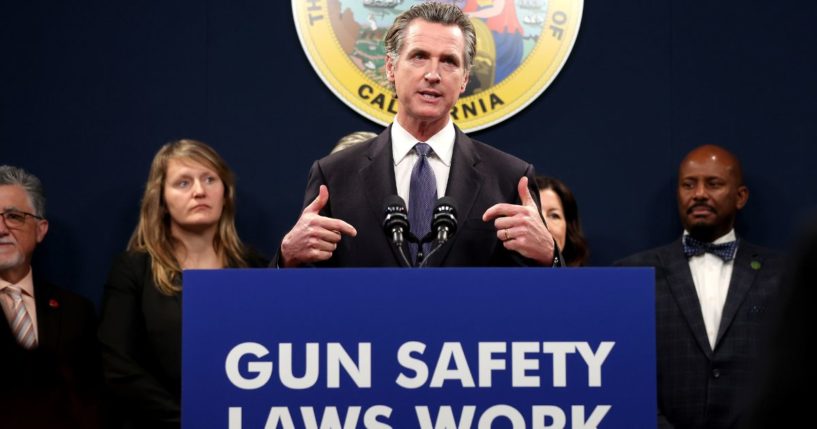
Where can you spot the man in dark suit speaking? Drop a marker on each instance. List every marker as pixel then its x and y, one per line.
pixel 420 157
pixel 714 293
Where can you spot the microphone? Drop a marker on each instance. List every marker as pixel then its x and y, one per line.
pixel 444 223
pixel 444 219
pixel 396 223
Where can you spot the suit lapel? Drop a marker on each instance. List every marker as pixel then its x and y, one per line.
pixel 48 316
pixel 464 183
pixel 377 175
pixel 743 276
pixel 6 337
pixel 682 287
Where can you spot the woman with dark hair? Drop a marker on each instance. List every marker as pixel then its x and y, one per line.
pixel 562 216
pixel 186 221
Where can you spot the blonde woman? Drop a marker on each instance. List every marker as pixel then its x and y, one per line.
pixel 186 221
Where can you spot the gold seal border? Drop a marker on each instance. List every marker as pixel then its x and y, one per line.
pixel 472 113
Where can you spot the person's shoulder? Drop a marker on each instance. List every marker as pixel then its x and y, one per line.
pixel 132 258
pixel 771 258
pixel 60 297
pixel 757 249
pixel 650 257
pixel 354 152
pixel 490 154
pixel 130 264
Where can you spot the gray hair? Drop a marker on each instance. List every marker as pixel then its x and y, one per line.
pixel 437 13
pixel 352 139
pixel 10 175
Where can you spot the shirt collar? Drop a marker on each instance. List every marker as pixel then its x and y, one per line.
pixel 729 236
pixel 442 143
pixel 26 284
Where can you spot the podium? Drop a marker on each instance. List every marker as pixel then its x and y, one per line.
pixel 419 348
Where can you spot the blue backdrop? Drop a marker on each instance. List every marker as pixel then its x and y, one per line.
pixel 90 89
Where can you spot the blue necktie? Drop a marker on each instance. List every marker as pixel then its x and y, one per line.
pixel 725 251
pixel 422 195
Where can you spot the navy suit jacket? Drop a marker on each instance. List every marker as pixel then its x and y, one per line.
pixel 361 177
pixel 699 387
pixel 56 384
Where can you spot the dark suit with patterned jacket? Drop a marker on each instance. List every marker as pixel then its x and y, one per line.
pixel 56 384
pixel 361 177
pixel 699 387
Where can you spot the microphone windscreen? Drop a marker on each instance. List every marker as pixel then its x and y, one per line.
pixel 445 214
pixel 446 204
pixel 395 215
pixel 394 204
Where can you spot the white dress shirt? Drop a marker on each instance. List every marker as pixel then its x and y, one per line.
pixel 402 143
pixel 26 285
pixel 711 276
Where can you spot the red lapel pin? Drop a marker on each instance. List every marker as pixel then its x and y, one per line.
pixel 53 303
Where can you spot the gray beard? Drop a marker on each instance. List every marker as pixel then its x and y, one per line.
pixel 13 262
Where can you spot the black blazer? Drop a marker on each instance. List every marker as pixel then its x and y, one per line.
pixel 140 333
pixel 55 385
pixel 361 177
pixel 699 387
pixel 785 385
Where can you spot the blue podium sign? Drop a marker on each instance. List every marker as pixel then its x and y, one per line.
pixel 433 348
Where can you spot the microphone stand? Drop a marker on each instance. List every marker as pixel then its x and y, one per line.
pixel 403 256
pixel 398 239
pixel 442 238
pixel 411 239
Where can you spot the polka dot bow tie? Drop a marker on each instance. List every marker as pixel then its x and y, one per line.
pixel 725 251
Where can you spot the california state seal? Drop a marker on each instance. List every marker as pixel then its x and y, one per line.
pixel 521 47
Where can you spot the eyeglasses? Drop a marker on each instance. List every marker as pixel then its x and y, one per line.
pixel 16 218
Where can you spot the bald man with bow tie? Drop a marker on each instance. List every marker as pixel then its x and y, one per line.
pixel 714 295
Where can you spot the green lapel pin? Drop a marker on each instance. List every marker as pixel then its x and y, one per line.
pixel 755 265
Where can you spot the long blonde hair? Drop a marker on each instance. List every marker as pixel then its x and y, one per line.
pixel 152 233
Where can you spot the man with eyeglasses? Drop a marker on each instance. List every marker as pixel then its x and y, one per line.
pixel 49 358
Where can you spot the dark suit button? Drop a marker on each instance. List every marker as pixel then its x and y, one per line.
pixel 716 373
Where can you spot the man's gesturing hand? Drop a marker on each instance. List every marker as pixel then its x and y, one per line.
pixel 521 228
pixel 314 237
